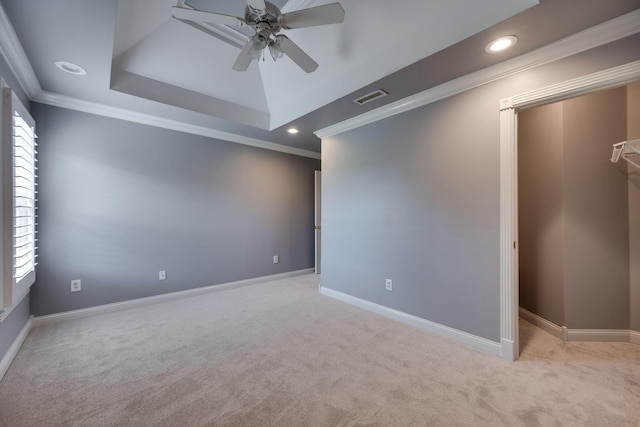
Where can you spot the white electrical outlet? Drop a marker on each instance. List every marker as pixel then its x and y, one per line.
pixel 162 275
pixel 76 285
pixel 276 259
pixel 389 285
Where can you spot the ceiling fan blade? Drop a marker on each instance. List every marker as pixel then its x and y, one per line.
pixel 200 16
pixel 245 57
pixel 258 5
pixel 322 15
pixel 296 54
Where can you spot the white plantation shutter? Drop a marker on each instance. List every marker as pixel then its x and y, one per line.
pixel 24 196
pixel 19 189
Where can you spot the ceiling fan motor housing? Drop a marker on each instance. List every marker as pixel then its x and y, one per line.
pixel 263 35
pixel 269 16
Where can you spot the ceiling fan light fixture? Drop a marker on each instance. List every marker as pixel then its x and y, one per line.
pixel 255 54
pixel 501 44
pixel 257 44
pixel 275 50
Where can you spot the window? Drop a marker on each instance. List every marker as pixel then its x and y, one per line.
pixel 18 179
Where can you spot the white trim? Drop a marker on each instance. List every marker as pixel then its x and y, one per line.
pixel 12 51
pixel 477 342
pixel 15 347
pixel 156 299
pixel 221 32
pixel 544 324
pixel 64 101
pixel 599 335
pixel 606 79
pixel 509 350
pixel 606 32
pixel 509 293
pixel 614 76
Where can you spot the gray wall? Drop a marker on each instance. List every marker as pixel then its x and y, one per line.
pixel 10 328
pixel 540 212
pixel 411 198
pixel 415 198
pixel 574 214
pixel 12 325
pixel 119 201
pixel 633 132
pixel 596 243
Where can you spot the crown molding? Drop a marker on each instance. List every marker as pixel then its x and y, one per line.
pixel 68 102
pixel 12 51
pixel 601 34
pixel 221 32
pixel 606 79
pixel 18 62
pixel 224 33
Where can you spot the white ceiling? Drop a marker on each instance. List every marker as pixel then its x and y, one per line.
pixel 161 59
pixel 191 88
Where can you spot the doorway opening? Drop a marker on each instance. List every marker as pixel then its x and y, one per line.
pixel 509 247
pixel 576 216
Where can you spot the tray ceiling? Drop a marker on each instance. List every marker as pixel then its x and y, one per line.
pixel 161 59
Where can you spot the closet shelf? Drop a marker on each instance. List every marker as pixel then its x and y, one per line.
pixel 627 150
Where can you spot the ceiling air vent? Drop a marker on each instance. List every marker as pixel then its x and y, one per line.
pixel 370 97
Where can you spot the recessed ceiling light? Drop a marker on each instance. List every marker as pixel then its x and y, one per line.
pixel 501 44
pixel 292 131
pixel 71 68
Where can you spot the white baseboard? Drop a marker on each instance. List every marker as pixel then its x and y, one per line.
pixel 479 343
pixel 13 350
pixel 599 335
pixel 550 327
pixel 509 350
pixel 156 299
pixel 595 335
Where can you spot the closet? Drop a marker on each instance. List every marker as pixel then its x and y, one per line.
pixel 579 211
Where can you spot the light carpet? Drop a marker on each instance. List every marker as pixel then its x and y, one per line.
pixel 280 354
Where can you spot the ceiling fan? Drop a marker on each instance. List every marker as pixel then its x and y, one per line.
pixel 267 21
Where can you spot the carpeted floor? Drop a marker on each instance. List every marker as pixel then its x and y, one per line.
pixel 279 354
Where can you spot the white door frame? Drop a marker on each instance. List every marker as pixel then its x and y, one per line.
pixel 509 301
pixel 318 218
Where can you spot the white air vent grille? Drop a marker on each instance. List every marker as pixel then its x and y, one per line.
pixel 370 97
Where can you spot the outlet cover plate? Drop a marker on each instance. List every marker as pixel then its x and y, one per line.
pixel 389 285
pixel 76 285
